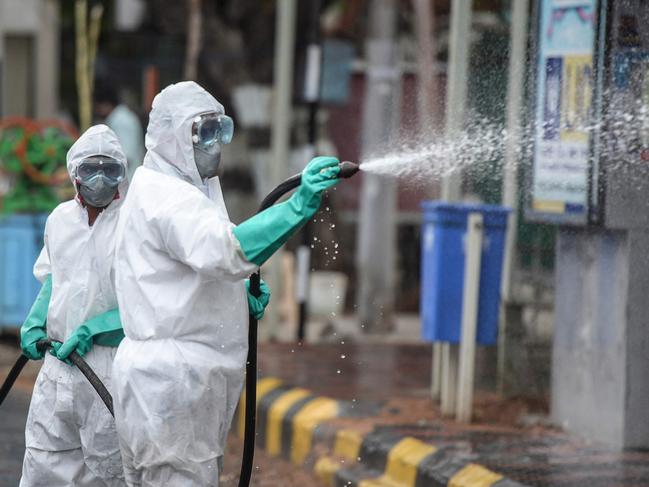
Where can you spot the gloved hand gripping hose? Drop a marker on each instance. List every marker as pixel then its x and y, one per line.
pixel 74 357
pixel 347 170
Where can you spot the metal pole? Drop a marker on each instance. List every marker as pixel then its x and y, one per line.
pixel 377 220
pixel 470 300
pixel 515 88
pixel 458 69
pixel 281 122
pixel 81 44
pixel 194 39
pixel 312 96
pixel 427 93
pixel 427 81
pixel 456 85
pixel 46 83
pixel 283 87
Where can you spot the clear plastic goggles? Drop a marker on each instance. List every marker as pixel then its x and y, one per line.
pixel 212 128
pixel 94 166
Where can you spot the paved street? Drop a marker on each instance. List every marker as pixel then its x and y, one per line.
pixel 13 415
pixel 383 389
pixel 269 472
pixel 388 387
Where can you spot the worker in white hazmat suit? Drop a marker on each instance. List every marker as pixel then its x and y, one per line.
pixel 70 435
pixel 180 278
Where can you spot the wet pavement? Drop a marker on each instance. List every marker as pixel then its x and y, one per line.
pixel 13 415
pixel 385 390
pixel 269 471
pixel 347 370
pixel 395 379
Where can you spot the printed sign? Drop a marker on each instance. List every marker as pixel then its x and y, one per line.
pixel 564 88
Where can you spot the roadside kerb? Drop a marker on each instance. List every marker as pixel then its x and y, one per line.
pixel 291 421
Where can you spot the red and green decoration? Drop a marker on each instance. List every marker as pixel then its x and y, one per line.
pixel 32 157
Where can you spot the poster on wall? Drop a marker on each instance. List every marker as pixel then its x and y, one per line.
pixel 563 115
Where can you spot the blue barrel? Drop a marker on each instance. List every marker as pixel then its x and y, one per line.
pixel 443 255
pixel 21 240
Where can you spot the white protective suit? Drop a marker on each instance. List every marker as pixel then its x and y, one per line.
pixel 70 435
pixel 180 285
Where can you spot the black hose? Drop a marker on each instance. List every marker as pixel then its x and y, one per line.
pixel 13 375
pixel 347 170
pixel 75 358
pixel 251 362
pixel 95 381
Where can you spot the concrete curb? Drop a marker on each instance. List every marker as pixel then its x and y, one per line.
pixel 290 423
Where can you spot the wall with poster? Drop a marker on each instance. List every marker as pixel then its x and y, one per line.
pixel 561 173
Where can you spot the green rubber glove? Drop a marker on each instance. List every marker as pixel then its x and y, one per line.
pixel 34 328
pixel 104 329
pixel 264 233
pixel 257 305
pixel 54 348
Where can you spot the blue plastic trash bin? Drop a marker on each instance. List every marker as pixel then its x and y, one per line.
pixel 443 252
pixel 21 240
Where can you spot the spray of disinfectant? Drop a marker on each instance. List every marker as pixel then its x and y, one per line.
pixel 418 161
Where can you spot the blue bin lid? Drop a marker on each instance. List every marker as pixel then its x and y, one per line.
pixel 458 213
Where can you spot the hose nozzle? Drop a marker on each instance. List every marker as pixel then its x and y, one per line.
pixel 348 169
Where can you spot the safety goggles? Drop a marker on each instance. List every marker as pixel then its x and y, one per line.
pixel 212 128
pixel 91 167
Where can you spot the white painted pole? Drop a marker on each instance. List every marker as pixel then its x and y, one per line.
pixel 470 301
pixel 280 129
pixel 515 89
pixel 436 371
pixel 283 87
pixel 456 90
pixel 427 93
pixel 456 85
pixel 449 378
pixel 377 225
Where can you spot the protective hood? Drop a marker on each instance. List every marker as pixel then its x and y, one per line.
pixel 98 139
pixel 169 136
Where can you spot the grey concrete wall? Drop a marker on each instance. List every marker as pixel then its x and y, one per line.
pixel 600 381
pixel 637 344
pixel 589 341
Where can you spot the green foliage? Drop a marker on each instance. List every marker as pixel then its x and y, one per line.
pixel 45 153
pixel 9 141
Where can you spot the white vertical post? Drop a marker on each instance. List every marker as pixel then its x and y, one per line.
pixel 427 94
pixel 47 46
pixel 456 85
pixel 515 89
pixel 377 225
pixel 456 90
pixel 283 87
pixel 470 300
pixel 436 371
pixel 449 378
pixel 281 127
